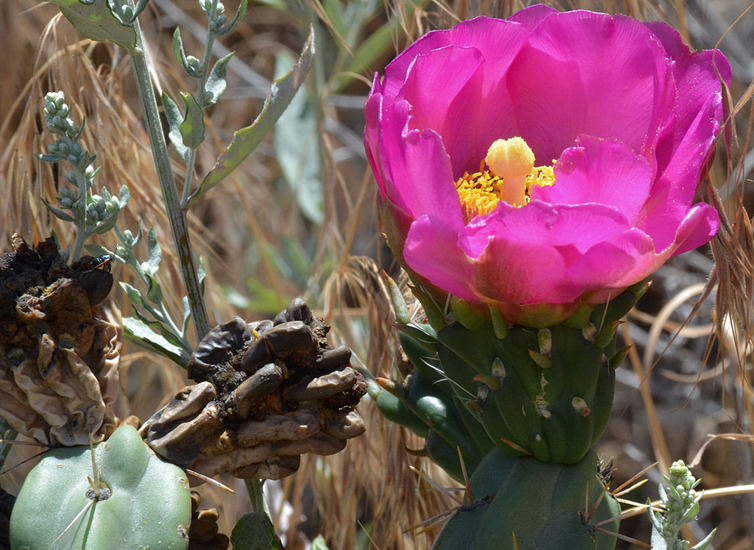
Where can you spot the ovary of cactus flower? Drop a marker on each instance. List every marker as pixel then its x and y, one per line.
pixel 59 350
pixel 608 136
pixel 268 392
pixel 134 499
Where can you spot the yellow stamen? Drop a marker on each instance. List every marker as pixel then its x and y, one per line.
pixel 507 173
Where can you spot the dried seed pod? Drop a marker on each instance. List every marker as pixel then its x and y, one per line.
pixel 58 360
pixel 278 390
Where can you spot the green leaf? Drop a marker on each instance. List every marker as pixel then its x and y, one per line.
pixel 192 127
pixel 125 196
pixel 175 117
pixel 58 212
pixel 107 225
pixel 186 314
pixel 297 149
pixel 379 43
pixel 319 544
pixel 255 531
pixel 154 290
pixel 246 139
pixel 133 294
pixel 180 55
pixel 160 328
pixel 155 253
pixel 97 22
pixel 215 85
pixel 138 332
pixel 335 11
pixel 48 157
pixel 240 16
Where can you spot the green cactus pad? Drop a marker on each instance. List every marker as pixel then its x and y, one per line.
pixel 541 506
pixel 149 505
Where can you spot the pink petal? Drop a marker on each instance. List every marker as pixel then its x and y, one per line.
pixel 523 273
pixel 533 15
pixel 446 105
pixel 698 227
pixel 615 263
pixel 588 73
pixel 431 249
pixel 373 120
pixel 418 177
pixel 600 171
pixel 490 36
pixel 578 227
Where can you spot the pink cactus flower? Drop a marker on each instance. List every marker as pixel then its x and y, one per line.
pixel 615 122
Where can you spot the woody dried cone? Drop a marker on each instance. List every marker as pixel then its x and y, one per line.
pixel 267 392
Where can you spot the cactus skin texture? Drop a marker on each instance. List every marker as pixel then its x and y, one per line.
pixel 149 505
pixel 542 504
pixel 426 404
pixel 544 393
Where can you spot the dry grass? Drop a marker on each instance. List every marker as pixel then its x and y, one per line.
pixel 698 385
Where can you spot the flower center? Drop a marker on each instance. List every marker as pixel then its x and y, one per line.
pixel 509 176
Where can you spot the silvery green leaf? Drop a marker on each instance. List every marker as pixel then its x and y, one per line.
pixel 175 117
pixel 216 84
pixel 701 545
pixel 133 294
pixel 96 21
pixel 59 213
pixel 186 314
pixel 192 127
pixel 139 332
pixel 201 275
pixel 246 139
pixel 158 326
pixel 123 11
pixel 125 196
pixel 154 290
pixel 180 55
pixel 155 253
pixel 106 225
pixel 296 139
pixel 240 15
pixel 50 157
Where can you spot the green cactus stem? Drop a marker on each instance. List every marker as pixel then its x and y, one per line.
pixel 132 499
pixel 545 393
pixel 526 504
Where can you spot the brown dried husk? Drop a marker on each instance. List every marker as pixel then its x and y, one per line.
pixel 59 352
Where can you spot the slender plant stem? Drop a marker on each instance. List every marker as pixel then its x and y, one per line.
pixel 81 233
pixel 256 494
pixel 191 160
pixel 176 214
